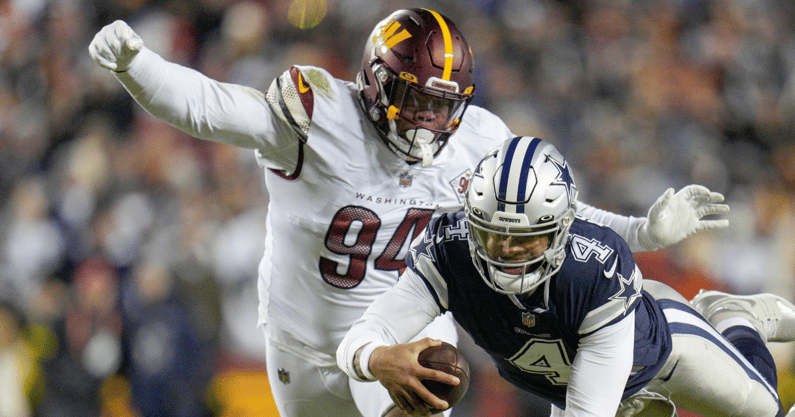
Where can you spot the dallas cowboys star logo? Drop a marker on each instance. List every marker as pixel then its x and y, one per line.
pixel 423 249
pixel 630 290
pixel 564 177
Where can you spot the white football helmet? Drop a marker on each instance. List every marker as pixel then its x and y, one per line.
pixel 521 193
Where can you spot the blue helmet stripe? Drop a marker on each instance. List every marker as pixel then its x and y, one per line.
pixel 526 162
pixel 506 170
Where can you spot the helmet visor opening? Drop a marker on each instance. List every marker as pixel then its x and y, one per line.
pixel 513 252
pixel 437 111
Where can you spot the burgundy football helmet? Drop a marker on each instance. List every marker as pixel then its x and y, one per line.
pixel 416 81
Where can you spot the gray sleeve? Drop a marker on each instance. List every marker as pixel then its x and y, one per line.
pixel 632 229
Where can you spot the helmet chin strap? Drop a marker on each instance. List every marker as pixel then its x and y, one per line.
pixel 515 284
pixel 423 138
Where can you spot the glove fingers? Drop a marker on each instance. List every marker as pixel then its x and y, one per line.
pixel 711 197
pixel 712 209
pixel 115 46
pixel 101 52
pixel 701 193
pixel 716 197
pixel 711 224
pixel 710 203
pixel 128 40
pixel 694 190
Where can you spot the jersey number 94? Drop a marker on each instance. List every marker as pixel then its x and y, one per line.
pixel 340 240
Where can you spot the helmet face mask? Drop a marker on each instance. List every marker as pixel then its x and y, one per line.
pixel 519 208
pixel 416 82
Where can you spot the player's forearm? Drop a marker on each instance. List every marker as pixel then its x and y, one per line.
pixel 600 370
pixel 628 227
pixel 373 330
pixel 202 107
pixel 353 353
pixel 394 317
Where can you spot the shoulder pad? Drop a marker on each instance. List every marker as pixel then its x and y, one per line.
pixel 292 100
pixel 318 80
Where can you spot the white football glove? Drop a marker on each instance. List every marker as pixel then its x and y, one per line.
pixel 115 46
pixel 674 217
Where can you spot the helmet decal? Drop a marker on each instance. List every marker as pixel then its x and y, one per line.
pixel 448 46
pixel 564 177
pixel 388 36
pixel 518 186
pixel 416 82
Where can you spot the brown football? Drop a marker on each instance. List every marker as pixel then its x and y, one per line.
pixel 446 358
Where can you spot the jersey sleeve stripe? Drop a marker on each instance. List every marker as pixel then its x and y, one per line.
pixel 298 166
pixel 427 270
pixel 601 316
pixel 432 290
pixel 288 116
pixel 620 303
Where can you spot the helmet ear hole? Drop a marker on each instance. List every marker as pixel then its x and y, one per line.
pixel 365 79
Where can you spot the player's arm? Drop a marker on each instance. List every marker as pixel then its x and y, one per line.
pixel 610 294
pixel 188 100
pixel 394 317
pixel 671 219
pixel 375 347
pixel 600 370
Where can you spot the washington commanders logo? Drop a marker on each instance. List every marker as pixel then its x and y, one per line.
pixel 388 36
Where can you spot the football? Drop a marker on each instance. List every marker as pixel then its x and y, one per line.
pixel 446 358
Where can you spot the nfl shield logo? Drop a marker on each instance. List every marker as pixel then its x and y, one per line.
pixel 284 376
pixel 405 180
pixel 528 319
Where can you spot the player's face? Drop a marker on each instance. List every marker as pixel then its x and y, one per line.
pixel 426 111
pixel 515 249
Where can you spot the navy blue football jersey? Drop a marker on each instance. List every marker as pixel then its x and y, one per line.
pixel 533 339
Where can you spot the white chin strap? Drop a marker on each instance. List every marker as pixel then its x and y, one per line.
pixel 515 284
pixel 423 138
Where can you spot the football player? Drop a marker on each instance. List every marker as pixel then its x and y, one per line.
pixel 558 303
pixel 355 171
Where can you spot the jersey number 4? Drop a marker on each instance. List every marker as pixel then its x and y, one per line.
pixel 544 357
pixel 360 248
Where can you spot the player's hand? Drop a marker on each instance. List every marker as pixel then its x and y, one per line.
pixel 398 370
pixel 674 217
pixel 115 46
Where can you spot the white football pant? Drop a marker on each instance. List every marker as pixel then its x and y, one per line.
pixel 314 391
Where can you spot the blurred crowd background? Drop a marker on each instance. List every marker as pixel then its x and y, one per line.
pixel 128 251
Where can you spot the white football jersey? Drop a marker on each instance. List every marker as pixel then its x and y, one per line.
pixel 340 223
pixel 343 207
